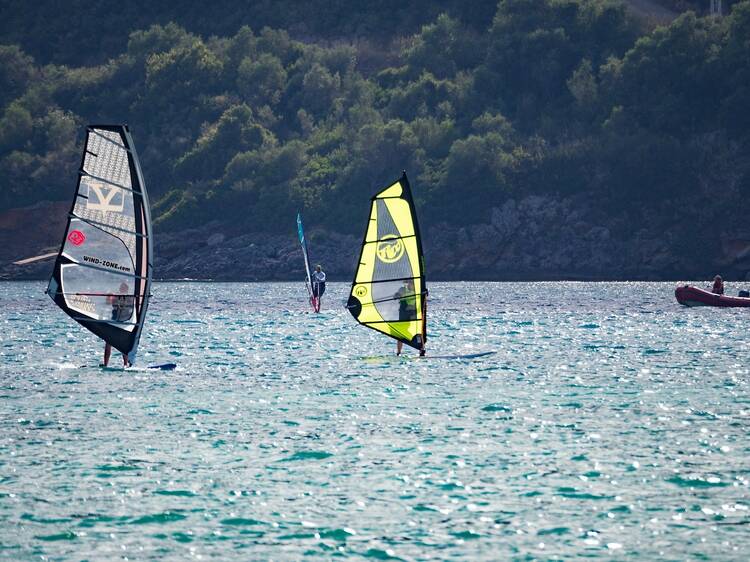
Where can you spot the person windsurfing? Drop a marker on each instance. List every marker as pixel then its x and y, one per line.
pixel 407 309
pixel 389 289
pixel 318 280
pixel 122 311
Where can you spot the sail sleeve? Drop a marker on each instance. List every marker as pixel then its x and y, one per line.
pixel 102 275
pixel 389 290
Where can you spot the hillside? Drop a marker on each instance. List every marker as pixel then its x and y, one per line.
pixel 554 138
pixel 78 33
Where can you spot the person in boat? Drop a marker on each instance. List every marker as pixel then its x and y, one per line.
pixel 718 287
pixel 122 311
pixel 318 279
pixel 407 309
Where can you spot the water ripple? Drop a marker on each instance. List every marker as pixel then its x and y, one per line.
pixel 610 422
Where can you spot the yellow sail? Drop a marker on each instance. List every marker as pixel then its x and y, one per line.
pixel 389 291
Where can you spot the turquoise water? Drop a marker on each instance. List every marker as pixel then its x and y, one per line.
pixel 611 423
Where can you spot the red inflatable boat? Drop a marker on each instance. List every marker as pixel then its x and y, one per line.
pixel 693 296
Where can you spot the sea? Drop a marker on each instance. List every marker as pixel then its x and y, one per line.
pixel 610 423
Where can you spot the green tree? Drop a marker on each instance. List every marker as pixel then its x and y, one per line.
pixel 582 85
pixel 16 127
pixel 183 73
pixel 319 88
pixel 735 67
pixel 158 39
pixel 667 81
pixel 477 168
pixel 236 131
pixel 261 81
pixel 534 47
pixel 16 71
pixel 443 48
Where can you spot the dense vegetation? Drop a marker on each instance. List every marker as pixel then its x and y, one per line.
pixel 698 6
pixel 547 96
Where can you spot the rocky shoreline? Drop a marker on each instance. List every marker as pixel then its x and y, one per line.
pixel 533 238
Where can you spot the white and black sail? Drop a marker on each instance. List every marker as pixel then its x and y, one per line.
pixel 102 276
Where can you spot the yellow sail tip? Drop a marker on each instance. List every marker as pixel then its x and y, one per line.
pixel 395 190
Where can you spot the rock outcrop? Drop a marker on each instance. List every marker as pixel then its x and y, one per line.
pixel 534 238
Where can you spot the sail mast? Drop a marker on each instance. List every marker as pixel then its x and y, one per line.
pixel 418 237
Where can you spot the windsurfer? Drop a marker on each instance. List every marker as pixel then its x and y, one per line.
pixel 407 309
pixel 318 279
pixel 122 310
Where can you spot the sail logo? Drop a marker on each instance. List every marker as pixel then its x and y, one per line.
pixel 76 237
pixel 390 248
pixel 108 199
pixel 105 263
pixel 360 291
pixel 81 303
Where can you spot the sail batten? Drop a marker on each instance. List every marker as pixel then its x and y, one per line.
pixel 102 275
pixel 108 182
pixel 95 223
pixel 389 290
pixel 69 261
pixel 94 131
pixel 111 322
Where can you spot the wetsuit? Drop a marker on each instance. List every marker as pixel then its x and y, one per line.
pixel 318 279
pixel 407 304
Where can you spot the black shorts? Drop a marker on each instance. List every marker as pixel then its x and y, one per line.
pixel 406 313
pixel 319 288
pixel 122 314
